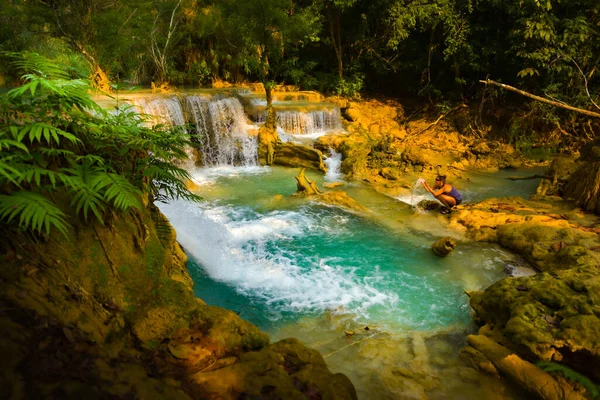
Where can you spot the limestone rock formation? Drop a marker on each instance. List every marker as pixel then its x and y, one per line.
pixel 554 315
pixel 298 155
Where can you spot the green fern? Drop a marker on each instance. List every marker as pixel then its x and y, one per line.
pixel 34 211
pixel 117 191
pixel 51 145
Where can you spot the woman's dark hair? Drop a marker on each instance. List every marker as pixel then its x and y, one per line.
pixel 441 178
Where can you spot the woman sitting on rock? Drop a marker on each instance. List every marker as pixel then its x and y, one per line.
pixel 445 193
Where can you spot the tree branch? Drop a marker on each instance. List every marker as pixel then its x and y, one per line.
pixel 542 99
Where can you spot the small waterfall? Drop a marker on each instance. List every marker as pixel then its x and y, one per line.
pixel 306 122
pixel 229 130
pixel 333 162
pixel 221 128
pixel 162 110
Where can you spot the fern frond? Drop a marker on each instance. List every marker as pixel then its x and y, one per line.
pixel 40 130
pixel 86 199
pixel 37 66
pixel 118 191
pixel 54 152
pixel 9 172
pixel 8 144
pixel 35 173
pixel 35 212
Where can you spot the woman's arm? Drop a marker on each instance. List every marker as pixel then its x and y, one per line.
pixel 444 189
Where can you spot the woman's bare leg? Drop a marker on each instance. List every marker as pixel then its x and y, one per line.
pixel 447 201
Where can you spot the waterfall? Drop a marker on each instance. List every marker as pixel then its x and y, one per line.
pixel 219 126
pixel 161 110
pixel 333 162
pixel 306 122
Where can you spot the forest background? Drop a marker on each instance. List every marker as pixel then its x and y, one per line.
pixel 429 54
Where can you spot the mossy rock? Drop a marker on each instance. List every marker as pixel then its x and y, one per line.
pixel 551 317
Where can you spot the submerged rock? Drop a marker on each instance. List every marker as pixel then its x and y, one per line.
pixel 444 246
pixel 341 198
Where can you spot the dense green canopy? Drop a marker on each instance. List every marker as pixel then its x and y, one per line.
pixel 436 49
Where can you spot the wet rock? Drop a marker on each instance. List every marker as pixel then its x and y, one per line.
pixel 389 173
pixel 476 359
pixel 444 246
pixel 333 185
pixel 413 155
pixel 297 155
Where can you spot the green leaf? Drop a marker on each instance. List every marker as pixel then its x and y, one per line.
pixel 35 212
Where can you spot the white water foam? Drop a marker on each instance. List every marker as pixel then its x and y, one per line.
pixel 334 163
pixel 209 175
pixel 239 247
pixel 414 198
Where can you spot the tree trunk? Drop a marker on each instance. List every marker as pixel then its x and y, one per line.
pixel 271 121
pixel 98 78
pixel 542 99
pixel 336 39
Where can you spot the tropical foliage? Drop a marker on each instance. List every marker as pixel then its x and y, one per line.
pixel 435 50
pixel 62 156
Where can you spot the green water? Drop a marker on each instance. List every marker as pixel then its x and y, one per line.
pixel 297 268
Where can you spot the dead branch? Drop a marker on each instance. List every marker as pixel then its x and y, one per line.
pixel 542 99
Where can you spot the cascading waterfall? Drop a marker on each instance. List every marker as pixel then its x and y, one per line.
pixel 333 162
pixel 229 131
pixel 220 124
pixel 307 122
pixel 165 110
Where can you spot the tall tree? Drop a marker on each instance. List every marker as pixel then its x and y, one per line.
pixel 265 34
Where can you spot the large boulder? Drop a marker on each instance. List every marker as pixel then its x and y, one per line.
pixel 556 176
pixel 550 317
pixel 298 155
pixel 584 187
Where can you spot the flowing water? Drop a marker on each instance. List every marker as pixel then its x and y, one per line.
pixel 299 269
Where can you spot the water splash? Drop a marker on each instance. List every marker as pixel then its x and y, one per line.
pixel 334 163
pixel 419 182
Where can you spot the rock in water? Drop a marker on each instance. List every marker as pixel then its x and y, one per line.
pixel 444 246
